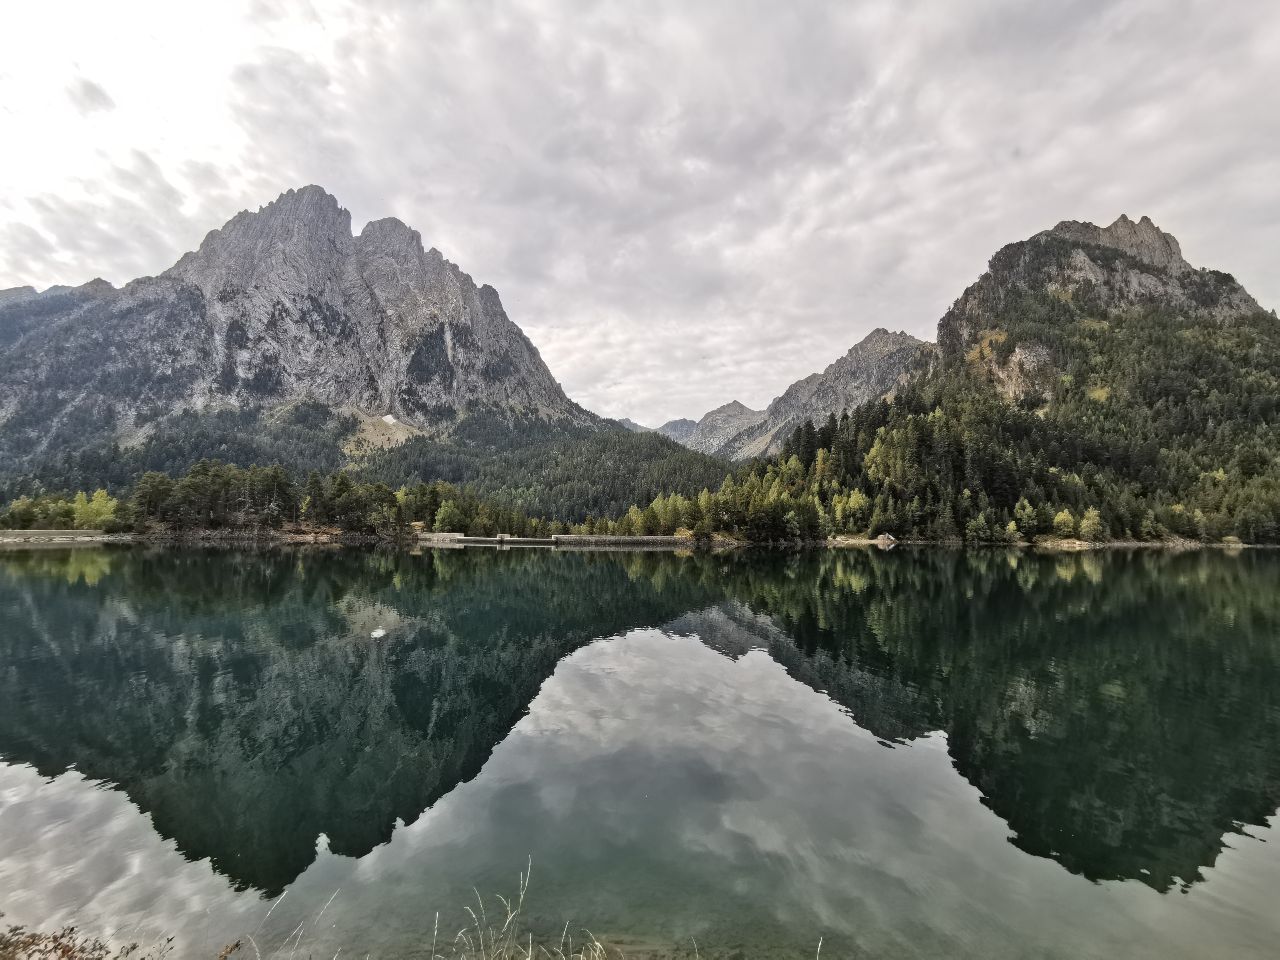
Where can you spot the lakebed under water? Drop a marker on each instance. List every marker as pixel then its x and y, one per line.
pixel 921 753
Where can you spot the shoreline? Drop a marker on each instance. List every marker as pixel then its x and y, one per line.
pixel 265 538
pixel 1050 545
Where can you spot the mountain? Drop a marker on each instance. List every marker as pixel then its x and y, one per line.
pixel 284 338
pixel 1091 382
pixel 634 427
pixel 713 432
pixel 1044 300
pixel 678 430
pixel 278 306
pixel 1089 370
pixel 1010 324
pixel 873 368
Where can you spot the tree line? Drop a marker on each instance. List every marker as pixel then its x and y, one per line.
pixel 1146 424
pixel 556 471
pixel 212 495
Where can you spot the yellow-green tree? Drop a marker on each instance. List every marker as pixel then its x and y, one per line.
pixel 449 518
pixel 1091 525
pixel 93 513
pixel 1064 524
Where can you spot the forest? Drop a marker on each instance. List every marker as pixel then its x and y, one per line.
pixel 531 466
pixel 214 496
pixel 1133 425
pixel 1136 424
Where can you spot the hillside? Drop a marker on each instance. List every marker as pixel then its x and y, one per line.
pixel 279 305
pixel 875 367
pixel 284 338
pixel 1091 383
pixel 715 430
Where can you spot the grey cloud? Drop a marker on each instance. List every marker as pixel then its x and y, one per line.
pixel 131 222
pixel 89 97
pixel 683 204
pixel 23 251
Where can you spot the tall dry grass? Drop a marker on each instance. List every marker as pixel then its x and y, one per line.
pixel 500 934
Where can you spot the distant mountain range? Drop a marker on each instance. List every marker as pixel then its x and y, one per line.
pixel 1151 271
pixel 873 368
pixel 285 335
pixel 284 305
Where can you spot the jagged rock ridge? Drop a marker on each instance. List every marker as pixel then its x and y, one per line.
pixel 1078 269
pixel 713 432
pixel 873 368
pixel 1091 270
pixel 678 430
pixel 279 304
pixel 1142 240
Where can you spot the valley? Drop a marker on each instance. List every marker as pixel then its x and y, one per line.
pixel 1091 384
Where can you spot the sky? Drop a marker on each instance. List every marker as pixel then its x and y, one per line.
pixel 681 204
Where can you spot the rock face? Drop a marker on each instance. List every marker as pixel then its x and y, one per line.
pixel 1071 271
pixel 873 368
pixel 279 304
pixel 678 430
pixel 717 428
pixel 629 424
pixel 1142 241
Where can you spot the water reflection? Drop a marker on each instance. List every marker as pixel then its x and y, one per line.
pixel 240 699
pixel 1119 713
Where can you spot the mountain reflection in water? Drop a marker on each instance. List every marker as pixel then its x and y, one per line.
pixel 1119 712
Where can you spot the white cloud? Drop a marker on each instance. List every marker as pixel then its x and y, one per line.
pixel 88 97
pixel 681 204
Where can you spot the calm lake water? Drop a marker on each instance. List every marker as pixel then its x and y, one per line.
pixel 908 754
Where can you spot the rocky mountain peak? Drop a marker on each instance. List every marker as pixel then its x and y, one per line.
pixel 1070 273
pixel 878 336
pixel 679 430
pixel 1142 240
pixel 291 244
pixel 98 287
pixel 14 294
pixel 634 427
pixel 874 367
pixel 732 408
pixel 278 305
pixel 880 341
pixel 392 234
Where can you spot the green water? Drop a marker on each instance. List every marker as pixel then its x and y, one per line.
pixel 908 754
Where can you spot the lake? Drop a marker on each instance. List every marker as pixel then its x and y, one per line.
pixel 913 753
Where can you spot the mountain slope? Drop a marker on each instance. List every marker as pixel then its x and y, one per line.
pixel 678 430
pixel 713 432
pixel 873 368
pixel 279 305
pixel 1090 382
pixel 1042 301
pixel 284 338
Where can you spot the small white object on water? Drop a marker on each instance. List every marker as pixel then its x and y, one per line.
pixel 378 634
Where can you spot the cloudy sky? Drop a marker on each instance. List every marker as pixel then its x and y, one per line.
pixel 681 203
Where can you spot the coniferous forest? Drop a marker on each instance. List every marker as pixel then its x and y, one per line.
pixel 1057 403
